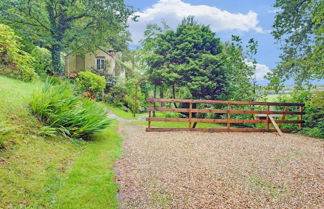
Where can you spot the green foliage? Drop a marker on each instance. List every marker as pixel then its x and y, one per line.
pixel 111 81
pixel 128 94
pixel 117 94
pixel 239 67
pixel 185 57
pixel 47 131
pixel 192 57
pixel 314 112
pixel 43 61
pixel 134 98
pixel 57 107
pixel 90 82
pixel 14 62
pixel 53 80
pixel 69 25
pixel 314 117
pixel 299 27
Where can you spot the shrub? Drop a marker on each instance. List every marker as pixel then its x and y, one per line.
pixel 314 112
pixel 127 95
pixel 90 82
pixel 116 95
pixel 71 115
pixel 42 61
pixel 14 62
pixel 314 115
pixel 53 80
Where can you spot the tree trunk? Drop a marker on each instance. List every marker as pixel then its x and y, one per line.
pixel 173 93
pixel 161 95
pixel 154 98
pixel 135 100
pixel 56 60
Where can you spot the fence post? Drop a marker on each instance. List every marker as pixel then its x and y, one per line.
pixel 190 114
pixel 301 117
pixel 228 116
pixel 268 124
pixel 149 122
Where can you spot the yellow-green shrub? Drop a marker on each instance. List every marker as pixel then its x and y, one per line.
pixel 90 82
pixel 14 62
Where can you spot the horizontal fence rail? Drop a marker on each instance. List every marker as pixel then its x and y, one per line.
pixel 260 116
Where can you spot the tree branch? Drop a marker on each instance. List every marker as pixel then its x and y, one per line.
pixel 22 22
pixel 40 23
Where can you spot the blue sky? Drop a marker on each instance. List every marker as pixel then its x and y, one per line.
pixel 246 18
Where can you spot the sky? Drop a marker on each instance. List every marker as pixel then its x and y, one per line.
pixel 245 18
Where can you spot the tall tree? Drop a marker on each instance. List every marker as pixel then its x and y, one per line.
pixel 63 25
pixel 239 65
pixel 299 28
pixel 186 57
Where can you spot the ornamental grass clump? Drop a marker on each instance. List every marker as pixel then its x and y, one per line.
pixel 73 116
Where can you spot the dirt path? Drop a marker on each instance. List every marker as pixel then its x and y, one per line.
pixel 219 170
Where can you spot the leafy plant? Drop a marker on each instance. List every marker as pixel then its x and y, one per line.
pixel 90 82
pixel 43 62
pixel 14 62
pixel 298 27
pixel 314 112
pixel 117 94
pixel 47 131
pixel 71 115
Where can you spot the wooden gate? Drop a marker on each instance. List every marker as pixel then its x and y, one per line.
pixel 267 117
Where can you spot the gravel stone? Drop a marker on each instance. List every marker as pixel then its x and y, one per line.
pixel 219 170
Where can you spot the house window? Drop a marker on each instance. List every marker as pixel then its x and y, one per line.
pixel 100 63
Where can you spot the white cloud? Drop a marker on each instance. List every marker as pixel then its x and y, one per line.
pixel 261 70
pixel 173 11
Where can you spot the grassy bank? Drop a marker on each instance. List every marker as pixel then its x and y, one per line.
pixel 51 172
pixel 16 122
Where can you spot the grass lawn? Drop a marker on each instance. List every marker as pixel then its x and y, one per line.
pixel 90 180
pixel 163 124
pixel 15 119
pixel 51 172
pixel 159 124
pixel 123 114
pixel 275 97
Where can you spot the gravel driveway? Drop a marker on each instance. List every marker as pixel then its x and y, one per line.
pixel 219 170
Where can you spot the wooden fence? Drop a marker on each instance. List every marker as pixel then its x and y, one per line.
pixel 260 116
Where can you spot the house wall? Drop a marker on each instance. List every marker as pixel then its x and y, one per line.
pixel 88 62
pixel 70 64
pixel 80 63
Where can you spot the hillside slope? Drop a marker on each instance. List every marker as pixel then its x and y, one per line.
pixel 50 172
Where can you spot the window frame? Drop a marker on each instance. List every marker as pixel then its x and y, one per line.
pixel 102 63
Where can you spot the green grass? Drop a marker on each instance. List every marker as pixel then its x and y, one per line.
pixel 123 114
pixel 15 119
pixel 129 116
pixel 162 124
pixel 90 181
pixel 276 97
pixel 53 171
